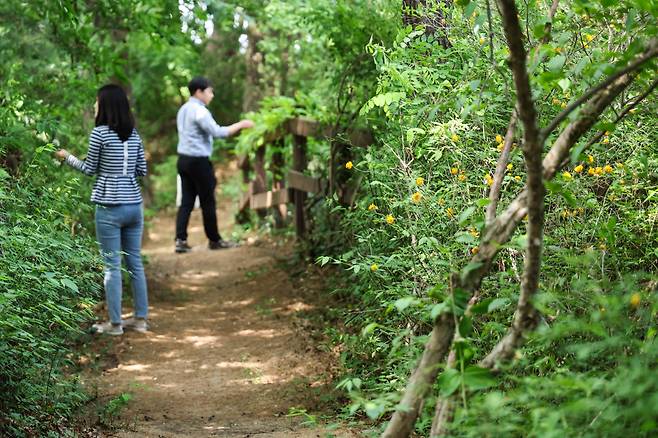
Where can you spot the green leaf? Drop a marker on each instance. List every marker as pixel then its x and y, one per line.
pixel 439 309
pixel 461 298
pixel 374 410
pixel 556 63
pixel 405 302
pixel 481 307
pixel 466 326
pixel 465 215
pixel 369 329
pixel 449 381
pixel 70 284
pixel 497 304
pixel 472 266
pixel 478 378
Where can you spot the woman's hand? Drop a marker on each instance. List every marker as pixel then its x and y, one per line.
pixel 62 154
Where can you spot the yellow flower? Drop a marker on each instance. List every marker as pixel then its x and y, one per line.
pixel 372 207
pixel 482 40
pixel 606 140
pixel 454 171
pixel 488 179
pixel 589 37
pixel 416 197
pixel 558 50
pixel 517 178
pixel 349 165
pixel 563 105
pixel 566 175
pixel 606 133
pixel 635 299
pixel 607 168
pixel 590 171
pixel 390 219
pixel 462 177
pixel 473 232
pixel 556 101
pixel 475 250
pixel 450 212
pixel 510 166
pixel 598 170
pixel 500 147
pixel 590 159
pixel 499 139
pixel 455 138
pixel 374 267
pixel 420 181
pixel 578 168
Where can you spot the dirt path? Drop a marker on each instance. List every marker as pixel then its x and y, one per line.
pixel 224 356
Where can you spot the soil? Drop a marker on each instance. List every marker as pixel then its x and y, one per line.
pixel 227 354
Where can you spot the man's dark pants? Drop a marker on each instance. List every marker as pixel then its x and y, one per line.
pixel 198 179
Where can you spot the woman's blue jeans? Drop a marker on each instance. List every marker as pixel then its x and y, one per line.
pixel 119 230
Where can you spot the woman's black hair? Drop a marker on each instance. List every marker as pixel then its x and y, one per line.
pixel 114 111
pixel 198 83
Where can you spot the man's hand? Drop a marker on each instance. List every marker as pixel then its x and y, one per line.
pixel 62 154
pixel 235 128
pixel 246 123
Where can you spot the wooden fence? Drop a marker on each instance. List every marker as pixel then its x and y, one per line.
pixel 295 185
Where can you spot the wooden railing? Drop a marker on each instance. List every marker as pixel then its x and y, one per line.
pixel 295 185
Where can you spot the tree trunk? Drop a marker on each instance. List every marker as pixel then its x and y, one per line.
pixel 431 14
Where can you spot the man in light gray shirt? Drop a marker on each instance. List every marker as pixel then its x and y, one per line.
pixel 196 131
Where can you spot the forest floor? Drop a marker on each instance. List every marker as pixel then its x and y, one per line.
pixel 231 351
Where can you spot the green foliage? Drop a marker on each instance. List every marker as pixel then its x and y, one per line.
pixel 55 56
pixel 420 215
pixel 49 283
pixel 113 408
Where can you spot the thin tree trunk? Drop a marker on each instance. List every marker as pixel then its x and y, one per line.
pixel 431 14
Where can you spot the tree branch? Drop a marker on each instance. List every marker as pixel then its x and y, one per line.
pixel 549 25
pixel 532 152
pixel 402 422
pixel 552 163
pixel 494 193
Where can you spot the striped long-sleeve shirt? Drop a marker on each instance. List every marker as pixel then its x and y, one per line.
pixel 116 164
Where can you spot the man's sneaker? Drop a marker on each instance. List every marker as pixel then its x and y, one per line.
pixel 221 244
pixel 182 246
pixel 137 324
pixel 107 328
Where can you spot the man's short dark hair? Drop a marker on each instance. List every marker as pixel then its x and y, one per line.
pixel 198 83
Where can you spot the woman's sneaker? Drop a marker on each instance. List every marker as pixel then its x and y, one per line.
pixel 107 328
pixel 182 246
pixel 137 324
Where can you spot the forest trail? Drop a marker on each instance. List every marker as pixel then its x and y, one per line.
pixel 225 355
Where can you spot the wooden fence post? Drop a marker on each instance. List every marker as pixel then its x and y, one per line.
pixel 280 211
pixel 299 164
pixel 260 177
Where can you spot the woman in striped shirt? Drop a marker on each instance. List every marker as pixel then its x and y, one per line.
pixel 116 157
